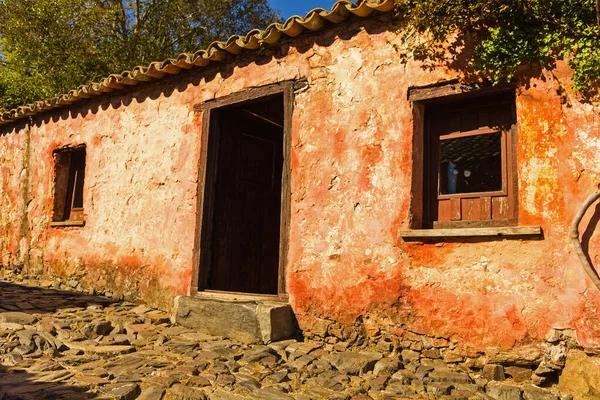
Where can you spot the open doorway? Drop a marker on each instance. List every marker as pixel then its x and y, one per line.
pixel 242 216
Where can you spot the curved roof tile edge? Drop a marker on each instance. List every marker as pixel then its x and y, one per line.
pixel 315 20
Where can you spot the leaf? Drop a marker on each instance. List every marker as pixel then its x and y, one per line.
pixel 506 34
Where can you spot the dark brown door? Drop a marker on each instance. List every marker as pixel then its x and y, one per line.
pixel 246 229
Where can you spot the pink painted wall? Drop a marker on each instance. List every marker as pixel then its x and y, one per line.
pixel 351 194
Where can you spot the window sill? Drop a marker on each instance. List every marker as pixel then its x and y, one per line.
pixel 55 224
pixel 472 232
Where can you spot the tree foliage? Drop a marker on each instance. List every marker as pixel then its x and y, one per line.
pixel 496 37
pixel 48 47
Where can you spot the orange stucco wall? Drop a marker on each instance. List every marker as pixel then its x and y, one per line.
pixel 351 194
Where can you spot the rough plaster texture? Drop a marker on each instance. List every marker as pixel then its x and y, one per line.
pixel 351 194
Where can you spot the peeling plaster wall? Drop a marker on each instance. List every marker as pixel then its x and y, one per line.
pixel 351 194
pixel 141 156
pixel 13 197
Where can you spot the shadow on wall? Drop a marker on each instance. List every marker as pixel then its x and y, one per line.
pixel 33 300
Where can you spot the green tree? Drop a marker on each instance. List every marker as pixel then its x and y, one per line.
pixel 496 37
pixel 48 47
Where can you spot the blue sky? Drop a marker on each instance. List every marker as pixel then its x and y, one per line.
pixel 287 8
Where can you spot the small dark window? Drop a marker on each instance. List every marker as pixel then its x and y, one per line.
pixel 68 184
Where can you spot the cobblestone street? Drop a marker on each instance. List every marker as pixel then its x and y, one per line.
pixel 65 345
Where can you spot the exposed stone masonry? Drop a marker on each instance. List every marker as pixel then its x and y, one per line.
pixel 73 280
pixel 58 344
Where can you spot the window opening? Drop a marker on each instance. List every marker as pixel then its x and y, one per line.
pixel 468 178
pixel 68 184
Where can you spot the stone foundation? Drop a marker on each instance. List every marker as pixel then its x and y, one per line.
pixel 108 280
pixel 559 362
pixel 246 321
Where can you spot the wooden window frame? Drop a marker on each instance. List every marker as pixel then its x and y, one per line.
pixel 424 98
pixel 69 176
pixel 206 193
pixel 76 178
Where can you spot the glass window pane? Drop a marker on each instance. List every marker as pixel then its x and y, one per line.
pixel 471 164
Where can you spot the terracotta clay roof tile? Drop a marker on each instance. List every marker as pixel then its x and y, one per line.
pixel 314 21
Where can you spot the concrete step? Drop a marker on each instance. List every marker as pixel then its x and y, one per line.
pixel 248 321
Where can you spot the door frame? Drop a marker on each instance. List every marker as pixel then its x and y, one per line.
pixel 207 174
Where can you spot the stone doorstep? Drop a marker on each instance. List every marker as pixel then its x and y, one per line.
pixel 248 321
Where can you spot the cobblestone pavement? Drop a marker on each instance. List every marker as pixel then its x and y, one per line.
pixel 64 345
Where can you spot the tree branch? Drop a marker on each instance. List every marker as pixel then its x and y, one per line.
pixel 137 12
pixel 123 20
pixel 187 35
pixel 148 10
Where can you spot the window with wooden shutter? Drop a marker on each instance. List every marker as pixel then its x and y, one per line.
pixel 469 178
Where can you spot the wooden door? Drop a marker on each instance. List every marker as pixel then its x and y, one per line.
pixel 246 227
